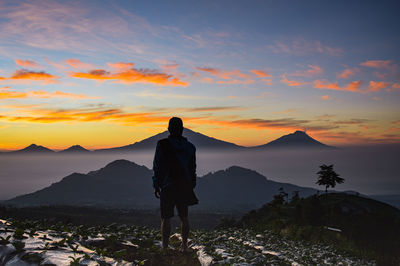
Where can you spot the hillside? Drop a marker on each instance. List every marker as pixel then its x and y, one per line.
pixel 358 225
pixel 125 184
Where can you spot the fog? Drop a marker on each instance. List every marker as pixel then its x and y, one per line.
pixel 368 170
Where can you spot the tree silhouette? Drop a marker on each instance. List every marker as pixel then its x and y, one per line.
pixel 328 177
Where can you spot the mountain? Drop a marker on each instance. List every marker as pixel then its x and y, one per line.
pixel 240 188
pixel 125 184
pixel 199 140
pixel 75 149
pixel 33 148
pixel 120 183
pixel 298 139
pixel 393 199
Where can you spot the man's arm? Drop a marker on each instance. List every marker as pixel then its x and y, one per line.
pixel 192 168
pixel 157 167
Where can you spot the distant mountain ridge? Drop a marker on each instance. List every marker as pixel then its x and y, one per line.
pixel 125 184
pixel 198 139
pixel 296 140
pixel 75 149
pixel 33 148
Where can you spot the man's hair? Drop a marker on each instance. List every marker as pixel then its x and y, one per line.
pixel 175 126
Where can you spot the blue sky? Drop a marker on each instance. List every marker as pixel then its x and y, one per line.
pixel 245 72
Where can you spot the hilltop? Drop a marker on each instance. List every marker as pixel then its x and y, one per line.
pixel 359 225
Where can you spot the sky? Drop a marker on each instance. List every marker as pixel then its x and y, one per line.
pixel 110 73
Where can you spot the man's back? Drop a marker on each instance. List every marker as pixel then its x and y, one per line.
pixel 170 153
pixel 174 178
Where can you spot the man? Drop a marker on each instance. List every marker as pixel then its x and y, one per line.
pixel 174 178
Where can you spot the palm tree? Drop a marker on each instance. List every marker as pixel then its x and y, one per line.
pixel 328 177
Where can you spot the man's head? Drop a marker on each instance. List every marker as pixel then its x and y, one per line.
pixel 175 126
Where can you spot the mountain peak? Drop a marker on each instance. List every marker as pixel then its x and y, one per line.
pixel 196 138
pixel 75 148
pixel 34 148
pixel 117 166
pixel 299 132
pixel 297 139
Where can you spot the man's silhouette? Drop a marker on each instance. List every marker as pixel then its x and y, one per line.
pixel 174 178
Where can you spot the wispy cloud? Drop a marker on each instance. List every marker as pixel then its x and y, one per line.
pixel 311 71
pixel 292 83
pixel 27 75
pixel 121 65
pixel 9 94
pixel 26 63
pixel 396 86
pixel 323 84
pixel 236 81
pixel 147 94
pixel 260 73
pixel 301 47
pixel 375 86
pixel 131 75
pixel 347 73
pixel 223 74
pixel 76 63
pixel 325 97
pixel 385 64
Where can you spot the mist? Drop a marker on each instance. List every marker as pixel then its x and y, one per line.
pixel 368 170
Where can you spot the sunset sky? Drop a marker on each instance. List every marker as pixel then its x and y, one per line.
pixel 109 73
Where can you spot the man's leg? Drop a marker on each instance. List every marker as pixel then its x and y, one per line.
pixel 184 232
pixel 165 232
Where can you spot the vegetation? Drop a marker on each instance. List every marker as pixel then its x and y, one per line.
pixel 328 177
pixel 354 225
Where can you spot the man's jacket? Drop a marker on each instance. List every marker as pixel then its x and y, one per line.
pixel 186 156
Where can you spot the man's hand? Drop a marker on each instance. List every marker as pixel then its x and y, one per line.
pixel 157 193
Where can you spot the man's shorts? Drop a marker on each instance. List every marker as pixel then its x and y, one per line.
pixel 168 201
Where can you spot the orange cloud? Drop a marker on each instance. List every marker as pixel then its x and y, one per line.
pixel 8 94
pixel 387 64
pixel 207 80
pixel 396 86
pixel 59 94
pixel 26 63
pixel 24 74
pixel 292 83
pixel 76 63
pixel 121 65
pixel 86 115
pixel 325 97
pixel 132 76
pixel 170 67
pixel 347 73
pixel 311 71
pixel 260 73
pixel 375 86
pixel 267 81
pixel 236 81
pixel 223 74
pixel 120 116
pixel 323 84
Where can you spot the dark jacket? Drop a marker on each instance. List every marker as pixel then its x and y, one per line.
pixel 186 155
